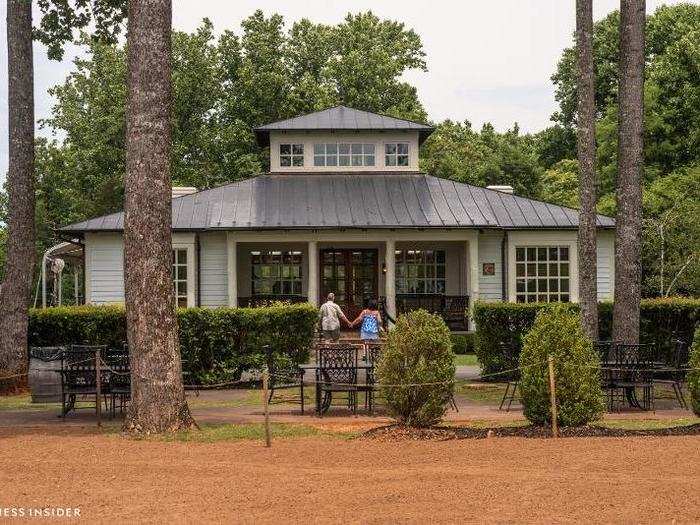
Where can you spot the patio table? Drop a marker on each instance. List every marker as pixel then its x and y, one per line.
pixel 362 365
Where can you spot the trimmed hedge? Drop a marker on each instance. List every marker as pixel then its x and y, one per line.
pixel 661 321
pixel 463 343
pixel 557 332
pixel 216 344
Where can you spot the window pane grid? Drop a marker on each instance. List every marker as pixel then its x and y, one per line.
pixel 275 272
pixel 291 155
pixel 396 154
pixel 420 271
pixel 337 154
pixel 179 258
pixel 542 274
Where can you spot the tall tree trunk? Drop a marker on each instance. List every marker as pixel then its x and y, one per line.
pixel 19 270
pixel 157 395
pixel 628 230
pixel 587 278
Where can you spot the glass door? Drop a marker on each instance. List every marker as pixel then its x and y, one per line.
pixel 351 275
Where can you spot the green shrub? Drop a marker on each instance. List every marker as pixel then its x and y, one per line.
pixel 662 320
pixel 216 344
pixel 463 343
pixel 418 350
pixel 694 375
pixel 557 332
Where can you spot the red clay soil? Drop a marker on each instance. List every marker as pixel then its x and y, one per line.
pixel 323 479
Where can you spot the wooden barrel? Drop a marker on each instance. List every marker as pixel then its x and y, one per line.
pixel 44 381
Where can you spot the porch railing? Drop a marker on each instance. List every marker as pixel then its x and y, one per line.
pixel 266 299
pixel 452 308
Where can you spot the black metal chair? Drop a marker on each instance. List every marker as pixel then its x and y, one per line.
pixel 456 314
pixel 511 361
pixel 78 376
pixel 631 368
pixel 372 353
pixel 336 373
pixel 676 375
pixel 284 375
pixel 119 369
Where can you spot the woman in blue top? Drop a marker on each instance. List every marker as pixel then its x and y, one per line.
pixel 370 321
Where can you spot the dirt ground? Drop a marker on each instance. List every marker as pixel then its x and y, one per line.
pixel 326 479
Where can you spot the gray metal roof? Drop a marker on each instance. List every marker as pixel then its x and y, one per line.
pixel 341 118
pixel 343 200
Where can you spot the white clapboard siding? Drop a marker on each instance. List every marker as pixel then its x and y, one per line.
pixel 604 260
pixel 490 286
pixel 213 270
pixel 105 268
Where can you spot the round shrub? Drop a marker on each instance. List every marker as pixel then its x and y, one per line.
pixel 557 332
pixel 417 350
pixel 694 375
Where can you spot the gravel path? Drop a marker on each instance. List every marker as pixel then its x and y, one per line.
pixel 111 479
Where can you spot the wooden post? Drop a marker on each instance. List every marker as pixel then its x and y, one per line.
pixel 553 396
pixel 98 388
pixel 266 404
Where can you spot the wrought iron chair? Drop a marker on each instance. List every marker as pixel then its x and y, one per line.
pixel 118 365
pixel 336 373
pixel 455 312
pixel 511 355
pixel 78 375
pixel 372 353
pixel 284 375
pixel 632 368
pixel 676 376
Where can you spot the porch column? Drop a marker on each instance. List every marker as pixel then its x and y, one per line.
pixel 390 278
pixel 473 272
pixel 232 269
pixel 312 285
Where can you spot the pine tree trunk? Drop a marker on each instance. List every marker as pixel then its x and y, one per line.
pixel 587 280
pixel 19 270
pixel 157 395
pixel 628 230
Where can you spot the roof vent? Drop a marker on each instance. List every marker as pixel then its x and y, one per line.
pixel 181 191
pixel 502 189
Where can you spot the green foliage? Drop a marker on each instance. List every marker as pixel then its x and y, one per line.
pixel 694 375
pixel 662 320
pixel 418 350
pixel 557 332
pixel 463 343
pixel 215 344
pixel 560 184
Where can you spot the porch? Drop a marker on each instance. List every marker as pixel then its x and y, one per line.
pixel 400 274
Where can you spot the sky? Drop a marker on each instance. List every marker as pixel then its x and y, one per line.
pixel 487 61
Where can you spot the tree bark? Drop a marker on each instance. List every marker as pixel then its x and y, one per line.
pixel 19 270
pixel 157 395
pixel 630 163
pixel 587 255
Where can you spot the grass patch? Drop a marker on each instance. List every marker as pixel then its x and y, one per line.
pixel 646 424
pixel 481 393
pixel 213 433
pixel 466 360
pixel 24 402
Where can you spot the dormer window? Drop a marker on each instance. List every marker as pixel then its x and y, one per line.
pixel 396 154
pixel 333 154
pixel 292 155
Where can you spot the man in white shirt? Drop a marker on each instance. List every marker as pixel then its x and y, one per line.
pixel 330 314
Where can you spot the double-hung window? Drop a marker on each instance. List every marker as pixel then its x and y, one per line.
pixel 291 155
pixel 276 272
pixel 396 154
pixel 420 271
pixel 180 276
pixel 542 274
pixel 333 154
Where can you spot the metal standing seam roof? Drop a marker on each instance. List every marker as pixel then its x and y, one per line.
pixel 342 200
pixel 342 118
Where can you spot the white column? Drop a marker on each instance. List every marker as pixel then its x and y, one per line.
pixel 312 283
pixel 472 249
pixel 232 269
pixel 390 277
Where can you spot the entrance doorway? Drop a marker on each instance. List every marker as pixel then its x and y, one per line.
pixel 352 275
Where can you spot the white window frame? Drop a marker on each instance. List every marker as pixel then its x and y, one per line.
pixel 279 270
pixel 295 154
pixel 538 272
pixel 430 271
pixel 358 154
pixel 177 266
pixel 391 159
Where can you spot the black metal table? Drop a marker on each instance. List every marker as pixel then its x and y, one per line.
pixel 362 365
